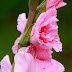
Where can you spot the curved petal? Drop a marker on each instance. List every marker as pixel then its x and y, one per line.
pixel 21 22
pixel 44 54
pixel 55 3
pixel 56 44
pixel 45 66
pixel 15 46
pixel 5 64
pixel 23 62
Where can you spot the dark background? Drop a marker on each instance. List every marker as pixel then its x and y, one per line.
pixel 9 11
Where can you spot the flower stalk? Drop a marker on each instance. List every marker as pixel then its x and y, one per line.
pixel 32 9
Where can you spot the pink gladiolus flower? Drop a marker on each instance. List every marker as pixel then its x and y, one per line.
pixel 20 27
pixel 55 3
pixel 5 64
pixel 25 62
pixel 45 31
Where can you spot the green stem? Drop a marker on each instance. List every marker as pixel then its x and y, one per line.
pixel 30 19
pixel 13 67
pixel 32 9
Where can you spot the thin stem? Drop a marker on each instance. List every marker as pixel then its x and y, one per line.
pixel 30 19
pixel 32 9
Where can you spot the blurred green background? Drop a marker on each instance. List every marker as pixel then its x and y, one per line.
pixel 9 11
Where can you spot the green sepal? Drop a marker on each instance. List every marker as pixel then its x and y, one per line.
pixel 25 38
pixel 41 8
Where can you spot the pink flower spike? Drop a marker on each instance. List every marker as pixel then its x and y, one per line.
pixel 61 4
pixel 21 22
pixel 55 3
pixel 5 64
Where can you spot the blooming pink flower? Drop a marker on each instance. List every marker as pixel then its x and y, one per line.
pixel 20 27
pixel 55 3
pixel 45 31
pixel 25 62
pixel 5 64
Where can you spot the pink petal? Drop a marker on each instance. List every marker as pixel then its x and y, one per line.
pixel 21 22
pixel 44 54
pixel 56 44
pixel 23 62
pixel 15 46
pixel 55 3
pixel 5 64
pixel 61 4
pixel 45 66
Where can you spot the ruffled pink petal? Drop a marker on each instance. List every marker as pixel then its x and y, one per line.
pixel 45 66
pixel 46 15
pixel 61 4
pixel 56 44
pixel 23 62
pixel 15 46
pixel 55 3
pixel 21 22
pixel 44 54
pixel 5 64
